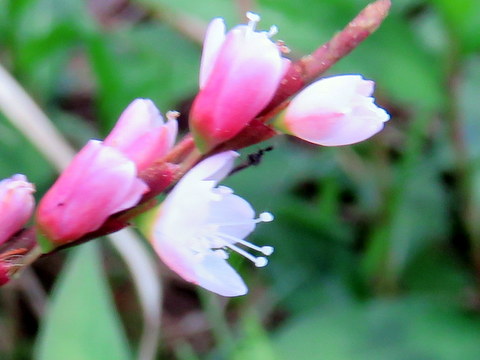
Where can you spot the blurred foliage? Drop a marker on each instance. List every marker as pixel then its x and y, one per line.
pixel 377 244
pixel 84 333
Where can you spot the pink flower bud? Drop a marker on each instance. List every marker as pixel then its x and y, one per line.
pixel 99 182
pixel 335 111
pixel 141 134
pixel 239 75
pixel 16 205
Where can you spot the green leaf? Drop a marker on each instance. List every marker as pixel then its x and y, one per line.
pixel 409 328
pixel 81 323
pixel 206 9
pixel 148 61
pixel 463 19
pixel 255 344
pixel 17 155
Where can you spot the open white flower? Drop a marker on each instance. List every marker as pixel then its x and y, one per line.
pixel 199 223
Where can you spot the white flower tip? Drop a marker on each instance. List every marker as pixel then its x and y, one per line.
pixel 267 250
pixel 266 217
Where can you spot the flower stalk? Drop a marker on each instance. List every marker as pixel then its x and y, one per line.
pixel 161 166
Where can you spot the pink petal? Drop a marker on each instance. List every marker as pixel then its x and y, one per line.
pixel 99 182
pixel 209 271
pixel 141 134
pixel 213 168
pixel 16 205
pixel 334 111
pixel 245 76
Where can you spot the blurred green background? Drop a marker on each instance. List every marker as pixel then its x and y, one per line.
pixel 377 245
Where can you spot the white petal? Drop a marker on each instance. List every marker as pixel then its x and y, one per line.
pixel 214 168
pixel 215 274
pixel 206 270
pixel 232 209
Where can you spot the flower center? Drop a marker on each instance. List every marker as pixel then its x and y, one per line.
pixel 210 237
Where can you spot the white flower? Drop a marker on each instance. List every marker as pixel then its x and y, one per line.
pixel 199 223
pixel 334 111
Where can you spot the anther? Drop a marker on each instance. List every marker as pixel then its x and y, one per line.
pixel 265 217
pixel 273 31
pixel 266 250
pixel 260 261
pixel 172 115
pixel 253 19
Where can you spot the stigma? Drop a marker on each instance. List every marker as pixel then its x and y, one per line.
pixel 217 237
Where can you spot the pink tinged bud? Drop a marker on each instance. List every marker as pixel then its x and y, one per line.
pixel 239 75
pixel 141 134
pixel 199 223
pixel 99 182
pixel 16 205
pixel 335 111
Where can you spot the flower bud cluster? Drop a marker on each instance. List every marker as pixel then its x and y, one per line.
pixel 103 178
pixel 200 223
pixel 242 70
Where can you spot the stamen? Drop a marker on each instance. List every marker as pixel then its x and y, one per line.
pixel 263 217
pixel 253 19
pixel 210 237
pixel 243 253
pixel 265 250
pixel 172 115
pixel 273 31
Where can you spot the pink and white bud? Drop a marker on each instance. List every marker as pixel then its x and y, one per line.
pixel 141 133
pixel 199 223
pixel 239 74
pixel 99 182
pixel 334 111
pixel 16 205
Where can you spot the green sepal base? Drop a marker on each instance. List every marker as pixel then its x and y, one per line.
pixel 45 243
